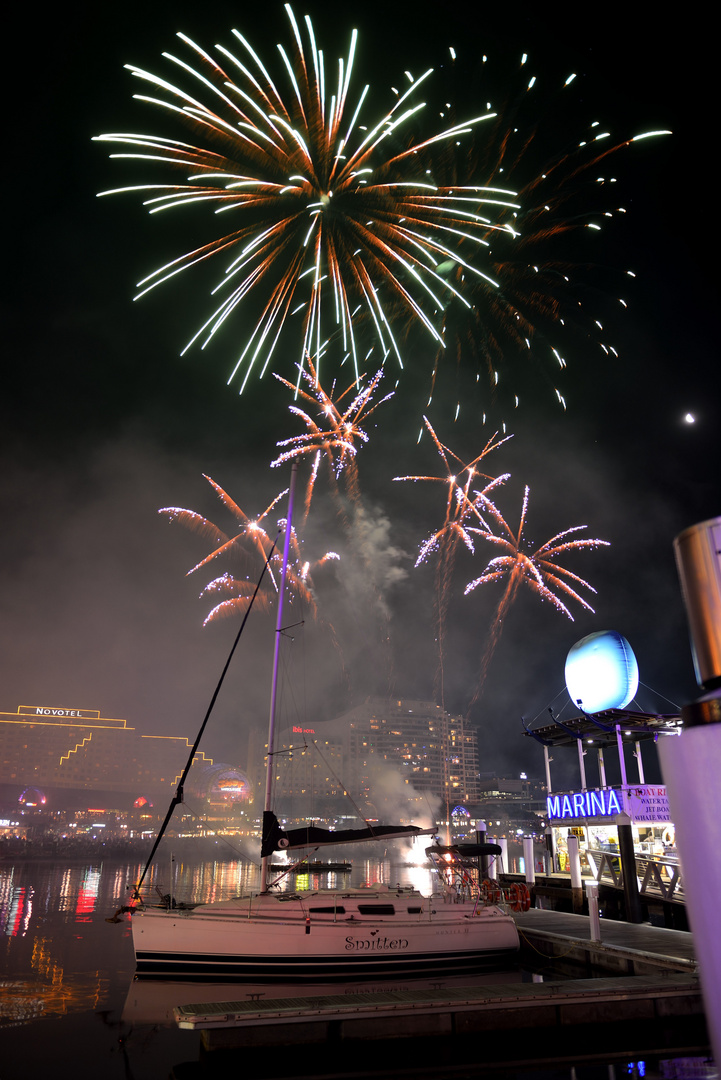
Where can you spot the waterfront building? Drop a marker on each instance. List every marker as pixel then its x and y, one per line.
pixel 385 754
pixel 389 756
pixel 590 811
pixel 48 747
pixel 432 750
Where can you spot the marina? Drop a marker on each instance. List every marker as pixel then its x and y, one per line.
pixel 70 987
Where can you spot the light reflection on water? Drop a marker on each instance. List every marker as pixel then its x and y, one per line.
pixel 61 956
pixel 66 984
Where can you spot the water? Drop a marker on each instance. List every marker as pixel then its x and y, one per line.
pixel 67 993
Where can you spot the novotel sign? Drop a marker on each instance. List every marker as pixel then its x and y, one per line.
pixel 44 710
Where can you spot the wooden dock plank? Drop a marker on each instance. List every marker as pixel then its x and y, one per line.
pixel 641 947
pixel 515 995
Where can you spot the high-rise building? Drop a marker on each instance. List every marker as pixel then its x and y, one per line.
pixel 401 757
pixel 432 750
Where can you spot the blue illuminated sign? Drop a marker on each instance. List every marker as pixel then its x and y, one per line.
pixel 584 804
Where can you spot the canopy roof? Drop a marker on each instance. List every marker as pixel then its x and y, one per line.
pixel 600 728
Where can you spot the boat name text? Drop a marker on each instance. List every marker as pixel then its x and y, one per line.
pixel 379 944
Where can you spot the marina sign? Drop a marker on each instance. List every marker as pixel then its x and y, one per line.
pixel 643 803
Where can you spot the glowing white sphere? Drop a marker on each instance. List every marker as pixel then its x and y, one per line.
pixel 601 672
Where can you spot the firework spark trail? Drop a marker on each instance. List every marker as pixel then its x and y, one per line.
pixel 536 305
pixel 336 434
pixel 327 213
pixel 462 506
pixel 537 569
pixel 252 545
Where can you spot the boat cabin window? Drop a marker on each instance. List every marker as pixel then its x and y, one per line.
pixel 376 909
pixel 415 910
pixel 339 910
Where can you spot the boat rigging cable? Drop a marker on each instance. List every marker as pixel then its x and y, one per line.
pixel 178 797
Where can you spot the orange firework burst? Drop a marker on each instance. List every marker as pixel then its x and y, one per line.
pixel 537 569
pixel 463 505
pixel 336 434
pixel 251 547
pixel 329 218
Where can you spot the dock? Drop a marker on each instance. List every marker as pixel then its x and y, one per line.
pixel 649 1003
pixel 624 948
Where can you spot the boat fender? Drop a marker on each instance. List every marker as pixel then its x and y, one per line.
pixel 307 925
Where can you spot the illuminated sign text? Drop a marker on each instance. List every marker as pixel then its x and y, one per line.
pixel 44 710
pixel 644 803
pixel 584 804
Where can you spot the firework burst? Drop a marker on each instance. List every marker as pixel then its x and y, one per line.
pixel 319 215
pixel 463 505
pixel 336 434
pixel 537 569
pixel 250 547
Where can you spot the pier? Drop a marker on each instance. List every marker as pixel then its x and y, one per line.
pixel 645 998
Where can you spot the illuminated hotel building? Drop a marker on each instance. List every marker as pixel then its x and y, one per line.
pixel 431 750
pixel 70 748
pixel 309 761
pixel 73 749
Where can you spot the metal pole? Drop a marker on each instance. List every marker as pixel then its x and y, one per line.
pixel 574 865
pixel 621 758
pixel 549 861
pixel 547 762
pixel 492 872
pixel 582 764
pixel 482 859
pixel 503 857
pixel 691 763
pixel 593 913
pixel 639 759
pixel 274 686
pixel 628 869
pixel 691 766
pixel 601 768
pixel 528 860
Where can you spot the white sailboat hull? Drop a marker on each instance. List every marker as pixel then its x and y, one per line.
pixel 275 937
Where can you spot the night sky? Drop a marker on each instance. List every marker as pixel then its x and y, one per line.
pixel 102 423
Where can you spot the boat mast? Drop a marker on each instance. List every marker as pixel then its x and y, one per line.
pixel 276 655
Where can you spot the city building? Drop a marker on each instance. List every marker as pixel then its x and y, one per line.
pixel 71 749
pixel 432 750
pixel 388 756
pixel 382 759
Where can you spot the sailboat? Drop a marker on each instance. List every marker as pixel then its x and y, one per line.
pixel 323 934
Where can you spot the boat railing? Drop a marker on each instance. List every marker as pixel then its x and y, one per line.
pixel 460 882
pixel 656 877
